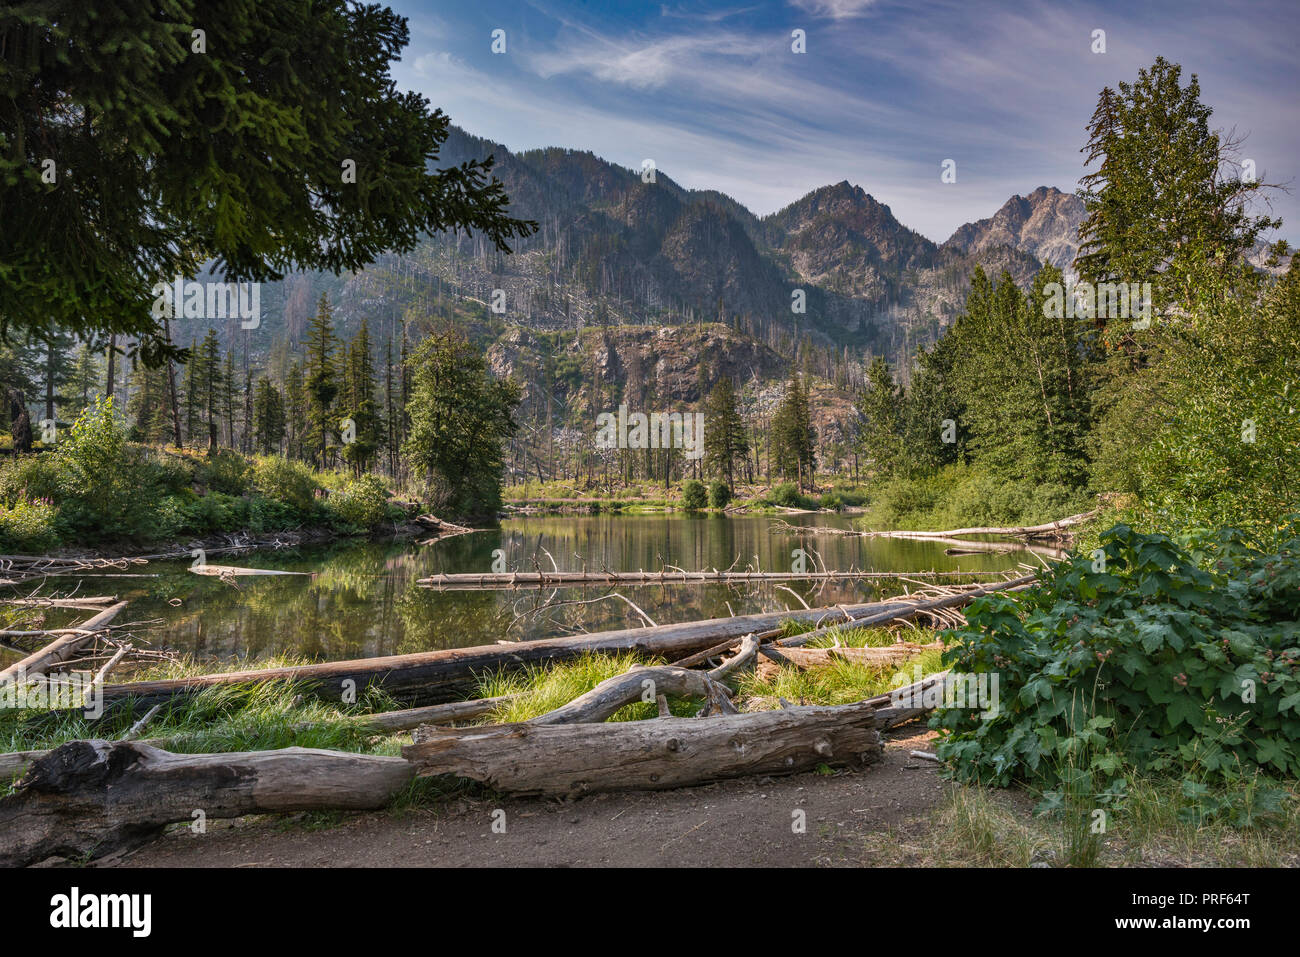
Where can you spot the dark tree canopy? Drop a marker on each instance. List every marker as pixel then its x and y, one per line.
pixel 134 149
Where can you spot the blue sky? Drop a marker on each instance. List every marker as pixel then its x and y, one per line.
pixel 886 91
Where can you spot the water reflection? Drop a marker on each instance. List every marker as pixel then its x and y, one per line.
pixel 362 600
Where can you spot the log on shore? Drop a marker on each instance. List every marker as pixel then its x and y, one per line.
pixel 15 763
pixel 62 648
pixel 570 760
pixel 911 611
pixel 886 657
pixel 91 798
pixel 430 677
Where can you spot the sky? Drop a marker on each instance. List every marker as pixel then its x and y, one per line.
pixel 884 93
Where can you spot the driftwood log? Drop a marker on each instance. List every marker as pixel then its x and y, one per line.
pixel 14 763
pixel 91 798
pixel 570 760
pixel 911 611
pixel 430 677
pixel 1057 529
pixel 62 648
pixel 888 656
pixel 650 683
pixel 485 581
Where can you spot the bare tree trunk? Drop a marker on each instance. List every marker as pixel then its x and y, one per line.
pixel 172 397
pixel 110 380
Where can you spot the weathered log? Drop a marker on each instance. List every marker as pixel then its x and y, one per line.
pixel 569 760
pixel 635 685
pixel 886 657
pixel 903 704
pixel 430 677
pixel 485 581
pixel 222 571
pixel 14 763
pixel 911 611
pixel 387 721
pixel 1046 530
pixel 62 648
pixel 650 684
pixel 91 798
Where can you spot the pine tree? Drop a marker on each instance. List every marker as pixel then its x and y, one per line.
pixel 321 380
pixel 726 442
pixel 793 441
pixel 1164 189
pixel 880 419
pixel 296 402
pixel 460 420
pixel 359 401
pixel 268 417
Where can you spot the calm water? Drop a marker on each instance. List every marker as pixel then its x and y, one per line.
pixel 362 600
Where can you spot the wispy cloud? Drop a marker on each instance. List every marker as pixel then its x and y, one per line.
pixel 885 92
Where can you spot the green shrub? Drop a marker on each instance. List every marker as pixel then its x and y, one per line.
pixel 287 481
pixel 694 495
pixel 28 527
pixel 787 495
pixel 270 515
pixel 105 487
pixel 227 472
pixel 1137 657
pixel 28 477
pixel 361 502
pixel 719 495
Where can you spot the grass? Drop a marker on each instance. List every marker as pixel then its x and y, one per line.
pixel 983 827
pixel 253 717
pixel 841 682
pixel 544 689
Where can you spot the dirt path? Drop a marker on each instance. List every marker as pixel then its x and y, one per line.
pixel 744 822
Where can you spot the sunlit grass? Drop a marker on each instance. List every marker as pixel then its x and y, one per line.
pixel 544 689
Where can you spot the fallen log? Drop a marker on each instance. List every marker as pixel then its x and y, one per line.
pixel 474 581
pixel 222 571
pixel 647 684
pixel 916 608
pixel 570 760
pixel 1046 530
pixel 91 798
pixel 62 648
pixel 889 656
pixel 430 677
pixel 390 721
pixel 14 763
pixel 903 704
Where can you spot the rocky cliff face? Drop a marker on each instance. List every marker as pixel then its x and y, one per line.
pixel 1044 224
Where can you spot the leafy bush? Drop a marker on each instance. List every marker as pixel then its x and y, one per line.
pixel 787 495
pixel 361 502
pixel 1136 656
pixel 227 472
pixel 694 495
pixel 719 495
pixel 105 487
pixel 286 480
pixel 28 527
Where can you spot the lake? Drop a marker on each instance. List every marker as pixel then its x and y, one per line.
pixel 362 599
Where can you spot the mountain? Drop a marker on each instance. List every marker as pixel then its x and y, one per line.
pixel 614 251
pixel 1044 224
